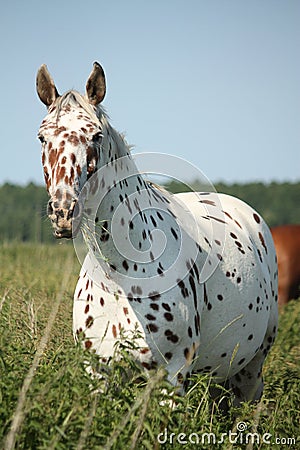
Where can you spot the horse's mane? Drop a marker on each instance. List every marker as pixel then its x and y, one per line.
pixel 98 114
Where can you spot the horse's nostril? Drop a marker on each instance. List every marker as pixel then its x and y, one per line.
pixel 60 213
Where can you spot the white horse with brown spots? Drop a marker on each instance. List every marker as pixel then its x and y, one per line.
pixel 195 274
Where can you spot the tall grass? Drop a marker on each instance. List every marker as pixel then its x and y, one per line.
pixel 48 401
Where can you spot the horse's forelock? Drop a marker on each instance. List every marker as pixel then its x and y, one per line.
pixel 74 98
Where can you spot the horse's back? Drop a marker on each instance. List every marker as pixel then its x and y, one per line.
pixel 238 219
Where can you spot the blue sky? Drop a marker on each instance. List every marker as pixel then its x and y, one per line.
pixel 216 82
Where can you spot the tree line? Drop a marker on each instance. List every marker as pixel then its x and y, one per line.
pixel 23 210
pixel 278 203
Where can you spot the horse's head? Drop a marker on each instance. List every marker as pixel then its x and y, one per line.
pixel 71 135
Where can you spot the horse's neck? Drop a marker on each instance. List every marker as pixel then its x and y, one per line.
pixel 114 145
pixel 133 227
pixel 133 224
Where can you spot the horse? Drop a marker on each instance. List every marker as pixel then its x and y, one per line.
pixel 287 244
pixel 192 276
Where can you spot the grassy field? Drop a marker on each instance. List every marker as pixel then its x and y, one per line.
pixel 47 400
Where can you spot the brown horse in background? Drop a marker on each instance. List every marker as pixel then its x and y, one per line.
pixel 287 245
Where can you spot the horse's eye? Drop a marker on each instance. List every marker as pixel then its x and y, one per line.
pixel 97 137
pixel 42 139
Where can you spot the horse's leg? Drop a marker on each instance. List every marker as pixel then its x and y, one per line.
pixel 220 396
pixel 283 294
pixel 247 384
pixel 294 291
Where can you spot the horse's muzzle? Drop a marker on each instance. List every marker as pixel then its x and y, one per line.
pixel 63 233
pixel 62 218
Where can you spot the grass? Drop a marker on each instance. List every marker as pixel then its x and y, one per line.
pixel 48 401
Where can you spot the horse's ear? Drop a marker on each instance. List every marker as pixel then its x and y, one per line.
pixel 95 85
pixel 45 86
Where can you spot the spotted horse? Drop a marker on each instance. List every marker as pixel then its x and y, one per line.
pixel 194 273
